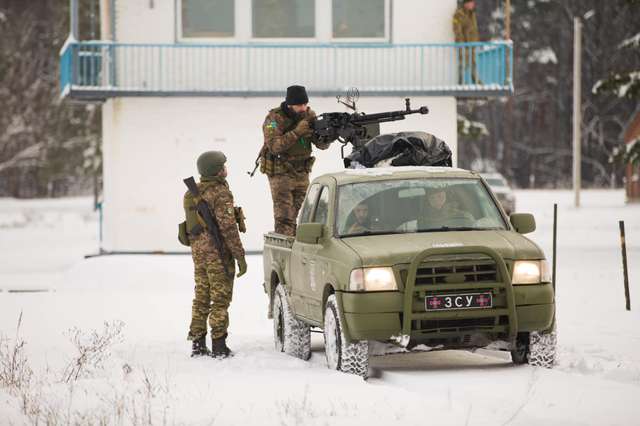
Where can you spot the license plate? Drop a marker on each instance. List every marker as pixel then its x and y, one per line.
pixel 442 302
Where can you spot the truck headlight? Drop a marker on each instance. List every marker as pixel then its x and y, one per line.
pixel 530 272
pixel 372 279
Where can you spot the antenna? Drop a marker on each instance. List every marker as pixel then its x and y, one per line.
pixel 350 98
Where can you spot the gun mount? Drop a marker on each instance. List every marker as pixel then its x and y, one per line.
pixel 357 128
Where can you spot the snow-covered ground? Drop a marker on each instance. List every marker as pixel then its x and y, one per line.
pixel 150 379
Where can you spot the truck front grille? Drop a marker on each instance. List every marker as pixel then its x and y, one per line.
pixel 462 271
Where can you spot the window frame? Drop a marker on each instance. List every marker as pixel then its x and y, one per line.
pixel 243 28
pixel 313 202
pixel 199 40
pixel 365 40
pixel 323 189
pixel 317 23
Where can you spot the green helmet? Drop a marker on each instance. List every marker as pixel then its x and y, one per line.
pixel 210 163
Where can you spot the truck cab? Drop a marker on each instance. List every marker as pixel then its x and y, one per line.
pixel 413 257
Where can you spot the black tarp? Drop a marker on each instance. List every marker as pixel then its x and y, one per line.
pixel 404 148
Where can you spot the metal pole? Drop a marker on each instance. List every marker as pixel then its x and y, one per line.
pixel 555 251
pixel 577 111
pixel 73 11
pixel 624 266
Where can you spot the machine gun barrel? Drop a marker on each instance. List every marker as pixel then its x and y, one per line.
pixel 383 117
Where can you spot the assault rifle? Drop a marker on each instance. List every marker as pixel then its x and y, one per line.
pixel 209 219
pixel 354 128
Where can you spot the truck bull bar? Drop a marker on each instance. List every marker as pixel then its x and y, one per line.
pixel 502 282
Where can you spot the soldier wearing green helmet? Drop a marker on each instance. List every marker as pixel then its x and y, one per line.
pixel 214 286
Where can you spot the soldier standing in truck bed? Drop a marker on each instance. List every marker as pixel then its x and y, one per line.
pixel 286 156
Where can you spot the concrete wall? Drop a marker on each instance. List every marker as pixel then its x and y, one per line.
pixel 412 21
pixel 151 144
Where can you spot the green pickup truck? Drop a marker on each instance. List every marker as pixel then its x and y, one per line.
pixel 422 258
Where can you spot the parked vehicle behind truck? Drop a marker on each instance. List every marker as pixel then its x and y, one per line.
pixel 409 256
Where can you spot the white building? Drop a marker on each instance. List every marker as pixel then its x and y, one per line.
pixel 179 77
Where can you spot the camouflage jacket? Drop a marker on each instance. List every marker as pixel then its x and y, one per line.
pixel 465 26
pixel 280 138
pixel 215 191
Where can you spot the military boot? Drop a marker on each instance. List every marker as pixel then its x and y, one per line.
pixel 199 347
pixel 219 348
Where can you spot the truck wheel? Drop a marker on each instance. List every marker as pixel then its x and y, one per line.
pixel 536 349
pixel 352 358
pixel 290 335
pixel 542 349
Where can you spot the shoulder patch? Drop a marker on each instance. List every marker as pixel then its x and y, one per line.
pixel 272 125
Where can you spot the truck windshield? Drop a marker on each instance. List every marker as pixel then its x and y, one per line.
pixel 415 205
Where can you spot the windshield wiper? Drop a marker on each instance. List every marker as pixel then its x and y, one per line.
pixel 364 233
pixel 447 229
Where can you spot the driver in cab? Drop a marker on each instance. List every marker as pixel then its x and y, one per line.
pixel 439 212
pixel 362 222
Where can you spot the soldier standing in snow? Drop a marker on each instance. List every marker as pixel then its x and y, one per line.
pixel 286 156
pixel 465 28
pixel 214 267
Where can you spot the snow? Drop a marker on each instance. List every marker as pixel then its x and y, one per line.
pixel 631 42
pixel 150 378
pixel 543 56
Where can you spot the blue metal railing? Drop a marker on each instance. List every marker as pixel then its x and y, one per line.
pixel 106 69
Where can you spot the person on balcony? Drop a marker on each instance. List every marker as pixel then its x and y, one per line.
pixel 465 28
pixel 286 156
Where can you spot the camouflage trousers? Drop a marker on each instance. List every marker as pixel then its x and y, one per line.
pixel 467 64
pixel 287 192
pixel 213 290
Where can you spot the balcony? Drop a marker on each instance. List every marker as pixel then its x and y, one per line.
pixel 95 71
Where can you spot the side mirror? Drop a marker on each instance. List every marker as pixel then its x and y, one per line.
pixel 524 223
pixel 309 233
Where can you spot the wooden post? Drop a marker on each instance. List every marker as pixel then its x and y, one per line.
pixel 508 122
pixel 555 239
pixel 624 265
pixel 507 19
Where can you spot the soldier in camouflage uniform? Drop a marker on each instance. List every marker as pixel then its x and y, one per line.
pixel 465 27
pixel 286 156
pixel 214 288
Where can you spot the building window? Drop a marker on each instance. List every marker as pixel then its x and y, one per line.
pixel 284 18
pixel 208 18
pixel 359 19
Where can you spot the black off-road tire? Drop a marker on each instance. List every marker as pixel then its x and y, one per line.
pixel 290 335
pixel 352 358
pixel 536 349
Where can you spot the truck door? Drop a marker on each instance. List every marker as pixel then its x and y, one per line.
pixel 298 260
pixel 316 263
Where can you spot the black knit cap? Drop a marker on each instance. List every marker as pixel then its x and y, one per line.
pixel 296 95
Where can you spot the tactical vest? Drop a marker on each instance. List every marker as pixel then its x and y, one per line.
pixel 296 159
pixel 194 225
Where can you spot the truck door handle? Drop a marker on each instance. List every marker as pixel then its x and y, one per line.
pixel 304 260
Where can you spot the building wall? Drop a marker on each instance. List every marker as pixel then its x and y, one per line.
pixel 412 21
pixel 151 144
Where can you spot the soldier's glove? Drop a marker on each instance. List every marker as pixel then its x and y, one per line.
pixel 303 129
pixel 240 219
pixel 242 266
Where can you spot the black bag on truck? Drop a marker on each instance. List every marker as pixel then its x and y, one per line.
pixel 401 149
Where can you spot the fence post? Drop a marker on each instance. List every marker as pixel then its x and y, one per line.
pixel 624 265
